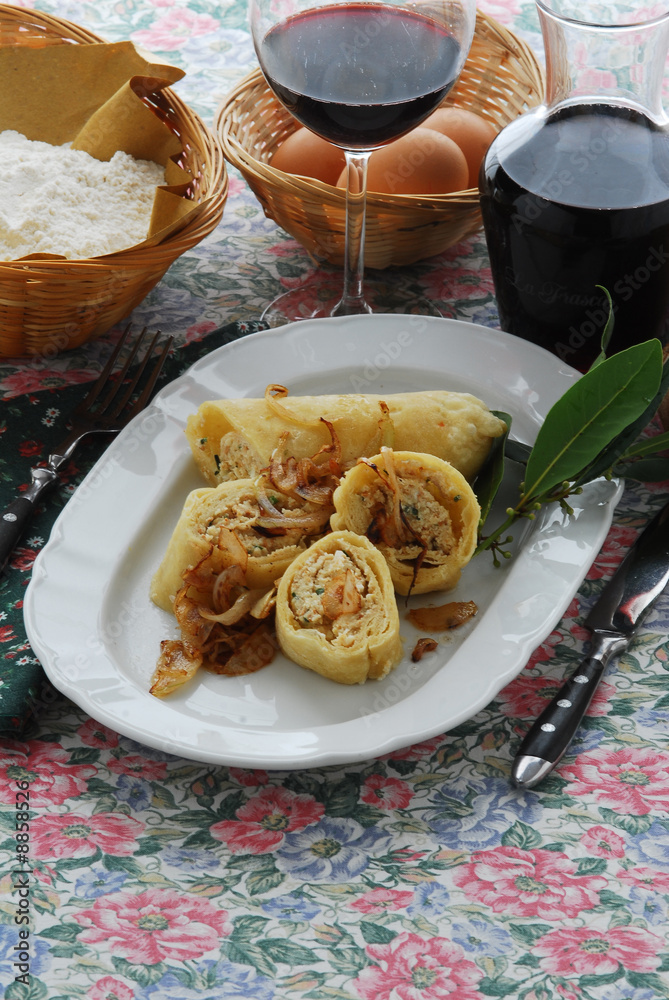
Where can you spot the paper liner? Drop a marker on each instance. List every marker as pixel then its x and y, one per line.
pixel 93 96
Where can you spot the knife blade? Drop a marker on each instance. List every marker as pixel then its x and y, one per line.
pixel 614 620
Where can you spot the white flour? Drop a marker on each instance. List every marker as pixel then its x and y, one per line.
pixel 54 199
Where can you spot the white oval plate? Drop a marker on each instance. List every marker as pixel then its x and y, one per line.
pixel 91 623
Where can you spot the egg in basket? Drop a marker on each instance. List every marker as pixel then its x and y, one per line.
pixel 500 80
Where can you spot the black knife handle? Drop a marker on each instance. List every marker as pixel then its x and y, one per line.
pixel 553 731
pixel 15 517
pixel 555 728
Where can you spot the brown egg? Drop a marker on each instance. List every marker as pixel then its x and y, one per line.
pixel 308 155
pixel 421 162
pixel 472 134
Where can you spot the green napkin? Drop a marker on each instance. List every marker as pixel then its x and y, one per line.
pixel 30 427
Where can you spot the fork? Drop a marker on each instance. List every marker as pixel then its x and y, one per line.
pixel 106 409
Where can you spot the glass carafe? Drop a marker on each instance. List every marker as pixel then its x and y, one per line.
pixel 575 193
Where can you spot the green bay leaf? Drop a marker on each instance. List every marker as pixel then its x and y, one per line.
pixel 592 412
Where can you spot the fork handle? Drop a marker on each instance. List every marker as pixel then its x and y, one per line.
pixel 14 519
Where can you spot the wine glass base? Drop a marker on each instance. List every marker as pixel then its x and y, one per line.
pixel 317 298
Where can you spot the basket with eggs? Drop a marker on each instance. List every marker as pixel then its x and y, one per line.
pixel 422 188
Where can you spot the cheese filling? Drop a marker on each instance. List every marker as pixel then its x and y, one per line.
pixel 241 516
pixel 429 519
pixel 236 458
pixel 316 579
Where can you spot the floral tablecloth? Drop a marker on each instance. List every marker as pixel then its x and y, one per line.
pixel 130 874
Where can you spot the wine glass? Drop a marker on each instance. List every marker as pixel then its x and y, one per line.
pixel 359 74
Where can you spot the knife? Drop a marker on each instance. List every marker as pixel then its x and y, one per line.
pixel 614 619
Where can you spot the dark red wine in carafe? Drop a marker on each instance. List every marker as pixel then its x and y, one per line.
pixel 573 201
pixel 360 74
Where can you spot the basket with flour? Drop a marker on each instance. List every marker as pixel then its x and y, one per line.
pixel 50 304
pixel 501 79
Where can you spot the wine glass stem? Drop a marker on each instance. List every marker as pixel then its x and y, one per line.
pixel 352 302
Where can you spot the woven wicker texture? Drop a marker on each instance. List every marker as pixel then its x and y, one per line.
pixel 500 80
pixel 47 306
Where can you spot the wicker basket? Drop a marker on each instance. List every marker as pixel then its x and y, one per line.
pixel 47 306
pixel 500 80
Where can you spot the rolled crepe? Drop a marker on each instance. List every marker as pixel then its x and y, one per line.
pixel 226 526
pixel 234 438
pixel 418 510
pixel 336 612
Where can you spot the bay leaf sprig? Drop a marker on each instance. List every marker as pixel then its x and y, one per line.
pixel 595 429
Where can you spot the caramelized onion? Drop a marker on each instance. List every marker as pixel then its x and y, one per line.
pixel 341 596
pixel 275 392
pixel 177 663
pixel 189 619
pixel 242 606
pixel 444 617
pixel 386 426
pixel 227 581
pixel 423 646
pixel 254 652
pixel 229 542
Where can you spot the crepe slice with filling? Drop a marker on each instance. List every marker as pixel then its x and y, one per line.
pixel 336 612
pixel 418 510
pixel 257 524
pixel 234 438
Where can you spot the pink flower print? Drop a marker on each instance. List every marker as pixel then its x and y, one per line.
pixel 44 766
pixel 616 545
pixel 535 883
pixel 94 734
pixel 632 780
pixel 154 925
pixel 504 11
pixel 28 380
pixel 174 29
pixel 199 330
pixel 604 843
pixel 110 988
pixel 380 900
pixel 139 767
pixel 387 793
pixel 526 697
pixel 413 969
pixel 70 835
pixel 643 877
pixel 416 752
pixel 251 779
pixel 263 821
pixel 545 651
pixel 585 951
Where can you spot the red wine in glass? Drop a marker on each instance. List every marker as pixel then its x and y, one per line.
pixel 387 69
pixel 360 75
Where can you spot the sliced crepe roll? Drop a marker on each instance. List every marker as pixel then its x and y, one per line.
pixel 336 611
pixel 244 523
pixel 418 510
pixel 234 438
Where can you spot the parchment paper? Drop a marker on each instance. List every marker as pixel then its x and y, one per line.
pixel 91 96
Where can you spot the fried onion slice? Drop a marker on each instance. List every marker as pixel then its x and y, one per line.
pixel 177 663
pixel 444 617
